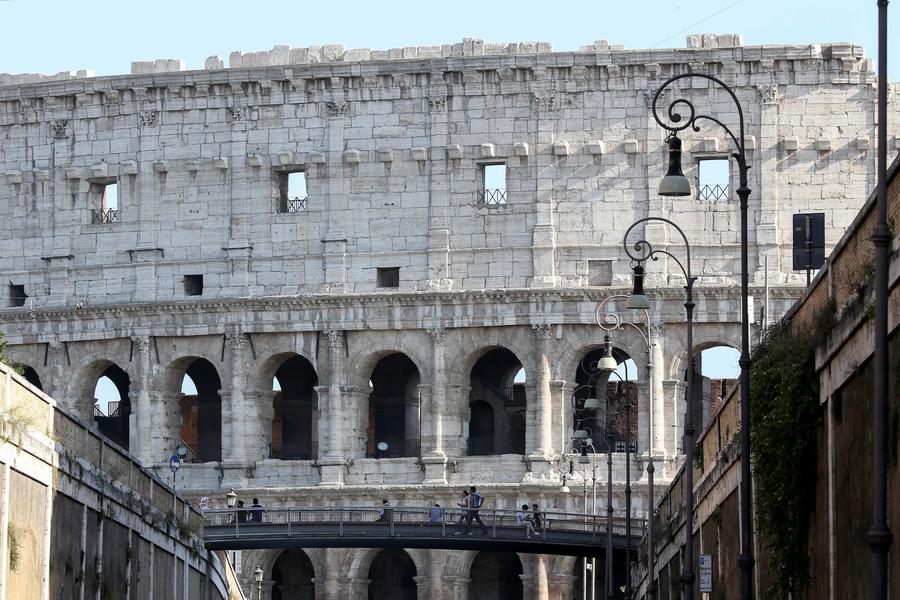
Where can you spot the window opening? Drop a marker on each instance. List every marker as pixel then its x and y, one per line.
pixel 492 185
pixel 599 272
pixel 292 192
pixel 388 277
pixel 107 199
pixel 714 179
pixel 193 285
pixel 17 295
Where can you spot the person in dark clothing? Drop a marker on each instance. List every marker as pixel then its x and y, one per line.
pixel 241 512
pixel 256 511
pixel 538 516
pixel 475 502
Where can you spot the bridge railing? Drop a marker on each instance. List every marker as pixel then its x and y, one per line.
pixel 406 522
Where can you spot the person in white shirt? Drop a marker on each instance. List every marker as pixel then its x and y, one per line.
pixel 523 519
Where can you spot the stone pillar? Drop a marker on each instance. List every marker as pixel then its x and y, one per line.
pixel 433 454
pixel 324 424
pixel 562 413
pixel 166 423
pixel 260 415
pixel 641 406
pixel 356 420
pixel 334 240
pixel 353 588
pixel 656 380
pixel 326 587
pixel 57 362
pixel 534 580
pixel 438 187
pixel 538 446
pixel 455 587
pixel 767 181
pixel 560 586
pixel 674 409
pixel 141 420
pixel 235 451
pixel 333 450
pixel 456 420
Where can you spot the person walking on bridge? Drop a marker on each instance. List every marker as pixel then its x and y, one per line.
pixel 476 501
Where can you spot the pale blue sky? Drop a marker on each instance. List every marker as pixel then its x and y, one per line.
pixel 51 36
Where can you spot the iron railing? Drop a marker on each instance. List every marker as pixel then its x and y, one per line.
pixel 495 197
pixel 714 192
pixel 101 216
pixel 293 205
pixel 222 527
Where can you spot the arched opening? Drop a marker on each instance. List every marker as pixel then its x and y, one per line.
pixel 112 406
pixel 497 404
pixel 719 371
pixel 32 377
pixel 394 408
pixel 392 575
pixel 496 576
pixel 201 411
pixel 294 430
pixel 292 576
pixel 607 426
pixel 596 576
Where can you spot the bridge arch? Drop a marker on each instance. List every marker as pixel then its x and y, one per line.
pixel 292 575
pixel 31 376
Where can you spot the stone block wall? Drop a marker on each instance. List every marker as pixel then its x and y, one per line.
pixel 392 143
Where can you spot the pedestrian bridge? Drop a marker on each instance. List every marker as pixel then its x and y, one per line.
pixel 414 527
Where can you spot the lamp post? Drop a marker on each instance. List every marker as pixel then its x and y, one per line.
pixel 258 575
pixel 627 402
pixel 879 534
pixel 568 458
pixel 640 252
pixel 610 321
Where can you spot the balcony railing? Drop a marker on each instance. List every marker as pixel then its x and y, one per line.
pixel 101 216
pixel 714 192
pixel 293 205
pixel 490 197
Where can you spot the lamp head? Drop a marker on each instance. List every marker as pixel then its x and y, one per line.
pixel 258 574
pixel 591 403
pixel 607 363
pixel 230 498
pixel 674 183
pixel 638 299
pixel 584 459
pixel 565 488
pixel 580 433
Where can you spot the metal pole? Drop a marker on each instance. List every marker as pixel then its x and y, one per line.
pixel 879 536
pixel 609 507
pixel 627 488
pixel 651 544
pixel 687 576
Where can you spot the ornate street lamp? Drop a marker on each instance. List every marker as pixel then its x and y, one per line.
pixel 611 321
pixel 231 498
pixel 258 575
pixel 674 187
pixel 640 252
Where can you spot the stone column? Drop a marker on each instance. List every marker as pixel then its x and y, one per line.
pixel 439 168
pixel 559 586
pixel 166 424
pixel 333 450
pixel 674 405
pixel 334 240
pixel 641 406
pixel 767 181
pixel 141 420
pixel 455 420
pixel 326 587
pixel 260 414
pixel 55 387
pixel 236 450
pixel 353 588
pixel 355 429
pixel 562 413
pixel 534 583
pixel 433 454
pixel 538 445
pixel 324 423
pixel 545 120
pixel 455 587
pixel 656 380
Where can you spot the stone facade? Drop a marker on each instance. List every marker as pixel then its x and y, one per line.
pixel 204 265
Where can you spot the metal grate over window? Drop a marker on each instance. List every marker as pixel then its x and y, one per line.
pixel 714 179
pixel 491 188
pixel 388 277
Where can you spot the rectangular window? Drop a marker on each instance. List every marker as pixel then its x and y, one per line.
pixel 491 188
pixel 388 277
pixel 104 201
pixel 714 179
pixel 292 191
pixel 193 285
pixel 17 295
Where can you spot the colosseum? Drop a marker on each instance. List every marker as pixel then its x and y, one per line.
pixel 335 276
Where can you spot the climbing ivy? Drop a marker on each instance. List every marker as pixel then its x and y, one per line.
pixel 784 412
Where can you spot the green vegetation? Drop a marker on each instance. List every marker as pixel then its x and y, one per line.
pixel 12 543
pixel 784 414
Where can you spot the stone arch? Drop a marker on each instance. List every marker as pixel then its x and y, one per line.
pixel 496 576
pixel 293 433
pixel 394 408
pixel 115 424
pixel 201 414
pixel 586 339
pixel 32 377
pixel 292 575
pixel 469 347
pixel 494 394
pixel 704 338
pixel 370 348
pixel 391 575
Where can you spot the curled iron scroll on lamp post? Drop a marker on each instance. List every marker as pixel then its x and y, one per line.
pixel 640 252
pixel 677 185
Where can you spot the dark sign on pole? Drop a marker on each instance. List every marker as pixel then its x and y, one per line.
pixel 809 241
